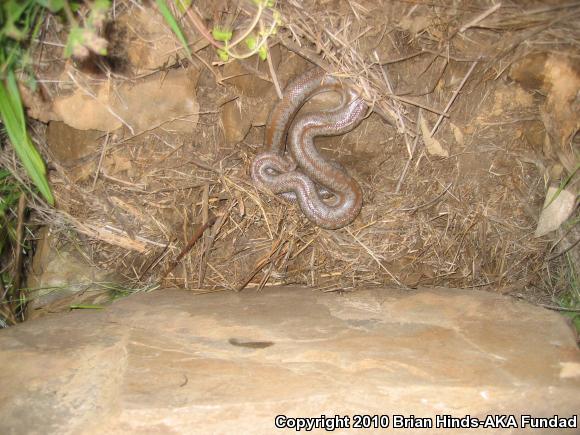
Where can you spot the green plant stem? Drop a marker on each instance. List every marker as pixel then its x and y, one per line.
pixel 69 14
pixel 258 45
pixel 563 186
pixel 170 19
pixel 200 27
pixel 198 24
pixel 250 28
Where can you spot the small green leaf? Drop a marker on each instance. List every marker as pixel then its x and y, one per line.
pixel 277 17
pixel 183 5
pixel 53 6
pixel 223 55
pixel 263 52
pixel 264 3
pixel 251 42
pixel 101 5
pixel 14 32
pixel 14 11
pixel 223 35
pixel 75 38
pixel 170 19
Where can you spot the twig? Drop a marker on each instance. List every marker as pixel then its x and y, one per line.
pixel 249 29
pixel 209 243
pixel 429 203
pixel 273 74
pixel 559 254
pixel 273 255
pixel 418 104
pixel 480 17
pixel 103 151
pixel 198 233
pixel 406 168
pixel 153 264
pixel 19 242
pixel 554 308
pixel 390 88
pixel 374 257
pixel 453 97
pixel 204 220
pixel 198 24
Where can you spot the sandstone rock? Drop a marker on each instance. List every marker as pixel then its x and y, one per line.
pixel 561 113
pixel 239 115
pixel 235 123
pixel 167 97
pixel 72 148
pixel 150 43
pixel 166 100
pixel 84 111
pixel 261 109
pixel 69 145
pixel 60 276
pixel 247 79
pixel 558 77
pixel 37 106
pixel 174 362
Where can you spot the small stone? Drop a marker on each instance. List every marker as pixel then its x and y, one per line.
pixel 247 82
pixel 72 148
pixel 236 123
pixel 60 274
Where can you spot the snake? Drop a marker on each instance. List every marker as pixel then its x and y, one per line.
pixel 326 194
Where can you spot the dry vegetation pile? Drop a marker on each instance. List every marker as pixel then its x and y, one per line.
pixel 453 160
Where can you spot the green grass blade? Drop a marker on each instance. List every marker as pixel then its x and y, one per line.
pixel 86 307
pixel 563 185
pixel 12 114
pixel 170 19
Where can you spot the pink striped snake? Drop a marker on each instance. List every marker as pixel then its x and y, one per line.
pixel 304 175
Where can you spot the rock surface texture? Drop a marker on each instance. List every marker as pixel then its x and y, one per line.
pixel 174 362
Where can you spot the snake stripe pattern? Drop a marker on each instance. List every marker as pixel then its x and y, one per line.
pixel 327 195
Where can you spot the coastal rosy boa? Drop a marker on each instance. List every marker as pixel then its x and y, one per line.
pixel 327 195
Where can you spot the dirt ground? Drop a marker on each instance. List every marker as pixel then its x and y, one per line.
pixel 145 146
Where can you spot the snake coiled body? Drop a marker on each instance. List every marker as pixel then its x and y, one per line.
pixel 304 175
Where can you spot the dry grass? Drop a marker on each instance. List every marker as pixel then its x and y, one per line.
pixel 189 216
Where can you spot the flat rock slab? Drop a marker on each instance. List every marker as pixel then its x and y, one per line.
pixel 175 362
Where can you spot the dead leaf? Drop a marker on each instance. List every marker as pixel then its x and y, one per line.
pixel 458 135
pixel 433 146
pixel 557 208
